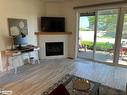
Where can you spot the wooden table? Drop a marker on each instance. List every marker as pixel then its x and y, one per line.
pixel 15 53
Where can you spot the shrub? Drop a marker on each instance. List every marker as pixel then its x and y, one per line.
pixel 101 46
pixel 88 43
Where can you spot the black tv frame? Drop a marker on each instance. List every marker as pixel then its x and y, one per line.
pixel 52 24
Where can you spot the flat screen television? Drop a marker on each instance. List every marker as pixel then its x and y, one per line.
pixel 52 24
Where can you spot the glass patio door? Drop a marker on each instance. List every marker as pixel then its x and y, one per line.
pixel 86 35
pixel 97 32
pixel 105 36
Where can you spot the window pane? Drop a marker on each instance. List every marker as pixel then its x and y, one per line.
pixel 86 35
pixel 106 31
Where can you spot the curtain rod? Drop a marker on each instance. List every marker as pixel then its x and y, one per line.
pixel 101 4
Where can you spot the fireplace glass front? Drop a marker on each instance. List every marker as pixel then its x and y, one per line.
pixel 54 48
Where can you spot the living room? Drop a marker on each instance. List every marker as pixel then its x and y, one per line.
pixel 36 78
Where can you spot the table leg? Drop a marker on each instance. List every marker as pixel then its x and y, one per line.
pixel 29 55
pixel 7 63
pixel 38 61
pixel 14 66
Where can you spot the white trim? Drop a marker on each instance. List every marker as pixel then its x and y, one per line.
pixel 120 30
pixel 118 36
pixel 95 34
pixel 106 7
pixel 77 33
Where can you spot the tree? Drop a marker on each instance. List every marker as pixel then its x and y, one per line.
pixel 125 25
pixel 82 29
pixel 105 22
pixel 91 22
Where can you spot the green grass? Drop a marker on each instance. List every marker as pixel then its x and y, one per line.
pixel 101 46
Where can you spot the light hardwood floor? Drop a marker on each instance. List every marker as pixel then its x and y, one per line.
pixel 34 79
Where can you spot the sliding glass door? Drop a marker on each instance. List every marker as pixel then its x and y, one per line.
pixel 86 35
pixel 105 36
pixel 97 32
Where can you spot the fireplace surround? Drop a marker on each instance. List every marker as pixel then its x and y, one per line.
pixel 43 39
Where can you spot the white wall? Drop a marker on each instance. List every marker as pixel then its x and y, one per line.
pixel 23 9
pixel 26 9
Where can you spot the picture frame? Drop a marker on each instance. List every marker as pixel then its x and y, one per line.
pixel 17 27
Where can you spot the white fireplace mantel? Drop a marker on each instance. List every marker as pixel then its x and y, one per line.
pixel 52 37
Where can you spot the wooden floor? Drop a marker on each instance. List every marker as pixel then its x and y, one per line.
pixel 34 79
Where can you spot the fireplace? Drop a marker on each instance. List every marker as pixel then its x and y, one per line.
pixel 54 48
pixel 43 39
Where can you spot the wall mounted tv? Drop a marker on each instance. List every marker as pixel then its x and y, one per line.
pixel 52 24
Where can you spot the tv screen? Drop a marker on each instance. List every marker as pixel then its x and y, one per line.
pixel 52 24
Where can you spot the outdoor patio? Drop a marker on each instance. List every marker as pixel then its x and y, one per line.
pixel 101 56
